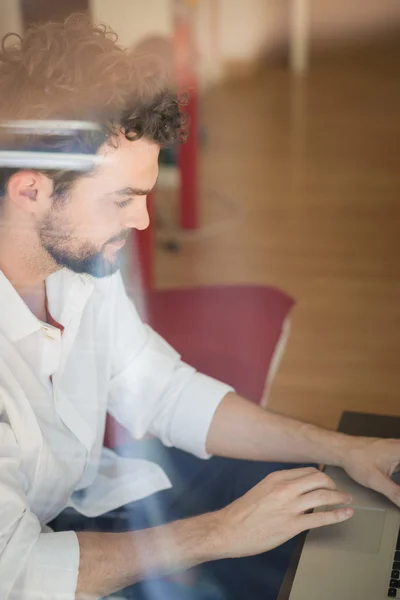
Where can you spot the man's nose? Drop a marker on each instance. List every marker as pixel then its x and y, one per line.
pixel 138 217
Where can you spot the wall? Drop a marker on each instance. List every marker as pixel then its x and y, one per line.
pixel 134 19
pixel 10 17
pixel 243 28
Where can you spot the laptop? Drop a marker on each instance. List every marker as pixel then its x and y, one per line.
pixel 360 558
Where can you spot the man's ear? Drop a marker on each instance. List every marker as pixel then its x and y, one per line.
pixel 30 191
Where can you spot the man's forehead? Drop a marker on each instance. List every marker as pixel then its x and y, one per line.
pixel 130 164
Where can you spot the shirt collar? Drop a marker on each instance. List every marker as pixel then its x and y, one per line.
pixel 17 321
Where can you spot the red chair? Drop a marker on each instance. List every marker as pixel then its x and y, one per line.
pixel 233 333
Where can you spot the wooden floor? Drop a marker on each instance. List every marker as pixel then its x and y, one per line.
pixel 301 190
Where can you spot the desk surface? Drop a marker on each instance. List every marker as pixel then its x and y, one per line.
pixel 354 424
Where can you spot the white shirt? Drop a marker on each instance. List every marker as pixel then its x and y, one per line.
pixel 51 434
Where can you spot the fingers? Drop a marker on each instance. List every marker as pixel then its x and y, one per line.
pixel 291 474
pixel 314 481
pixel 324 518
pixel 322 497
pixel 295 482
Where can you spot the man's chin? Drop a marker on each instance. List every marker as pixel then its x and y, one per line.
pixel 103 268
pixel 97 268
pixel 97 265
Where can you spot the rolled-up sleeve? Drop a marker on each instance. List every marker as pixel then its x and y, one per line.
pixel 152 390
pixel 33 565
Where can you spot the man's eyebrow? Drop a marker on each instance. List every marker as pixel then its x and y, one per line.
pixel 129 191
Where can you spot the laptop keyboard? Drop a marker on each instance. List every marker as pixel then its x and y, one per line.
pixel 394 584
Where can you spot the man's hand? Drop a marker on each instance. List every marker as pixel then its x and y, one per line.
pixel 371 462
pixel 277 509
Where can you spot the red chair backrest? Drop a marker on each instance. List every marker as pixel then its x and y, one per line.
pixel 227 332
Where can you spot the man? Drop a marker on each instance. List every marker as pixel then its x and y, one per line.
pixel 73 347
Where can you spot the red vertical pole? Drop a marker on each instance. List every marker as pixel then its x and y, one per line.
pixel 186 62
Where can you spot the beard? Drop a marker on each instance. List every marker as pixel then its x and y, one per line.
pixel 71 252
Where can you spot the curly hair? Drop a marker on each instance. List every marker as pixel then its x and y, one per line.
pixel 75 70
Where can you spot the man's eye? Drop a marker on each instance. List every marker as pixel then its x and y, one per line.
pixel 125 203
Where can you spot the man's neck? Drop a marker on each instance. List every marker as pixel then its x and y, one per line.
pixel 35 300
pixel 28 282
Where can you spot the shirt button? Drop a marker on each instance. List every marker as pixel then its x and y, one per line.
pixel 48 334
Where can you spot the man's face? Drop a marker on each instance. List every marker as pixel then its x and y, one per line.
pixel 86 231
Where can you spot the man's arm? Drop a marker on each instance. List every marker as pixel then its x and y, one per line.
pixel 271 513
pixel 241 429
pixel 112 561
